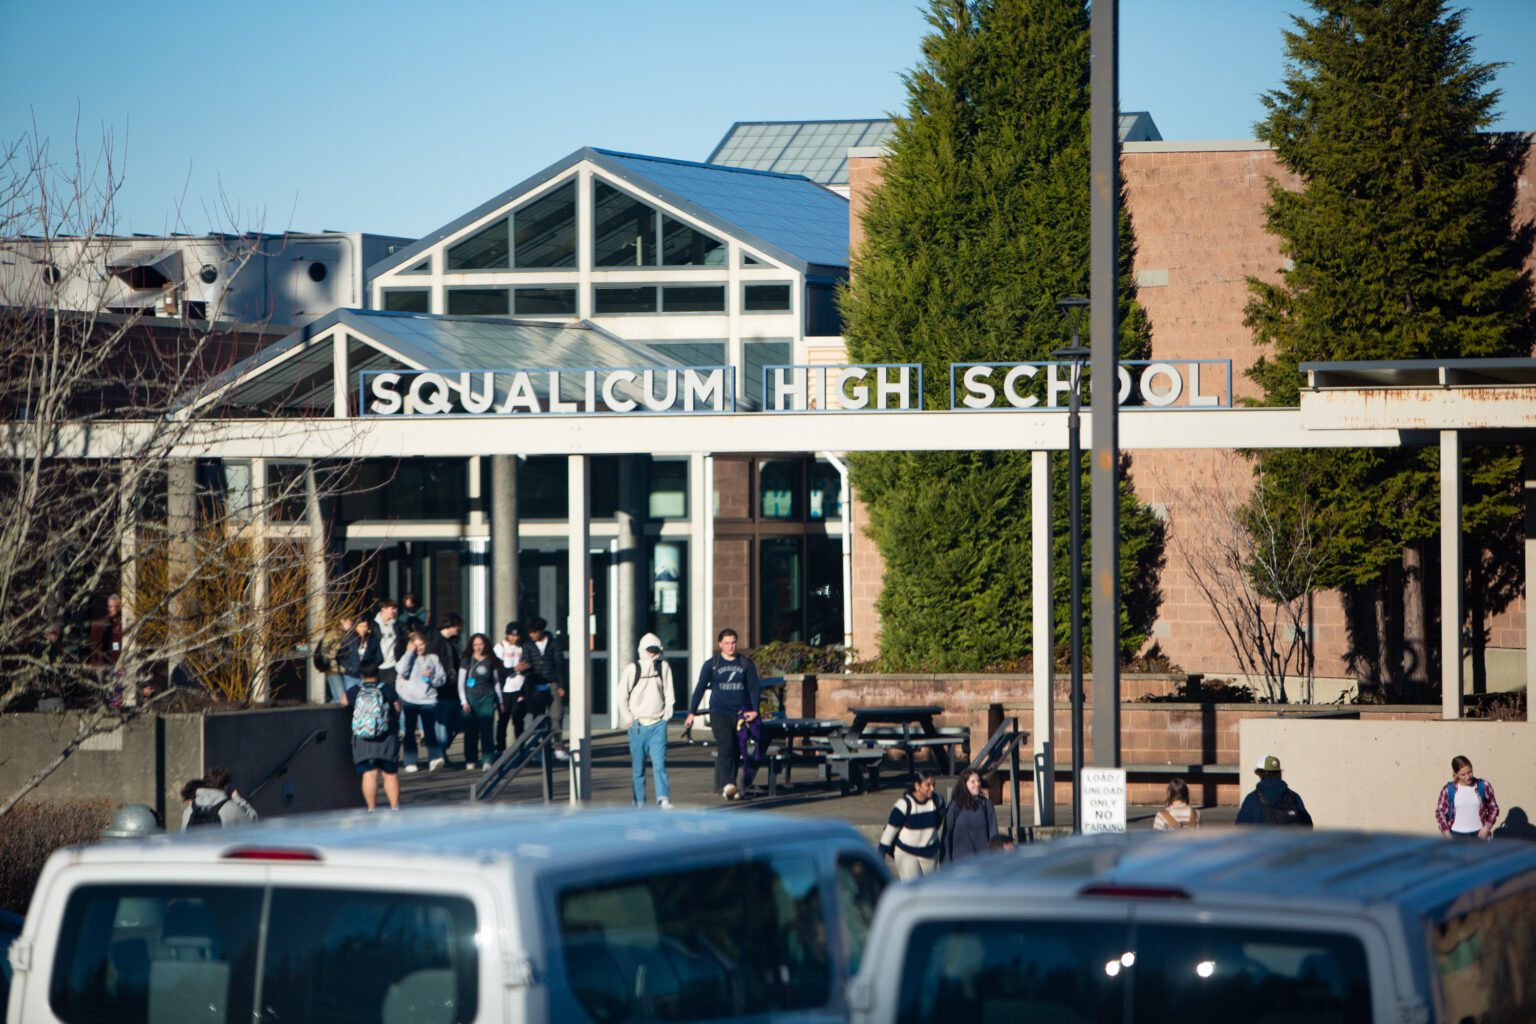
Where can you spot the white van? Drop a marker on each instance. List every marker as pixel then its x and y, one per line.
pixel 453 915
pixel 1258 926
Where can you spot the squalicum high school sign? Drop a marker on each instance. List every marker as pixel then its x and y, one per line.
pixel 891 387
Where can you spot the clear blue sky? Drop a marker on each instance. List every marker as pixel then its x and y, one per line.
pixel 396 117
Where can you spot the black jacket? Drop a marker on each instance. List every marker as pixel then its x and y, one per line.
pixel 358 659
pixel 448 653
pixel 547 669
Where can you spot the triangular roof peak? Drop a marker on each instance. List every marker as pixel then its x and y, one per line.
pixel 787 216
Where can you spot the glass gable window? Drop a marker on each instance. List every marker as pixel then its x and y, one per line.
pixel 408 300
pixel 544 301
pixel 624 299
pixel 623 229
pixel 546 230
pixel 708 298
pixel 490 249
pixel 765 298
pixel 683 246
pixel 424 267
pixel 478 301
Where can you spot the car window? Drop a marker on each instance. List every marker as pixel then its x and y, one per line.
pixel 369 956
pixel 1078 971
pixel 1192 972
pixel 168 954
pixel 147 954
pixel 1068 972
pixel 725 940
pixel 859 885
pixel 1482 961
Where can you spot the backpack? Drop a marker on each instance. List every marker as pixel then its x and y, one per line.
pixel 207 814
pixel 321 662
pixel 370 715
pixel 1282 811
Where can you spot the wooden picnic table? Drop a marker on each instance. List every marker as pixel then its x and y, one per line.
pixel 786 731
pixel 918 717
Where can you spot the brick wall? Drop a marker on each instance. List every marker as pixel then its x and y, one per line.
pixel 1198 214
pixel 1173 734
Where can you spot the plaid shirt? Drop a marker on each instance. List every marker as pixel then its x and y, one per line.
pixel 1445 811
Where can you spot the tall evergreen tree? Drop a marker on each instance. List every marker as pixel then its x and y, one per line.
pixel 1401 245
pixel 979 226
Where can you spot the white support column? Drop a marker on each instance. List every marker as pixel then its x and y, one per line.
pixel 478 547
pixel 1450 574
pixel 261 522
pixel 1530 570
pixel 1042 636
pixel 578 630
pixel 700 594
pixel 315 605
pixel 339 374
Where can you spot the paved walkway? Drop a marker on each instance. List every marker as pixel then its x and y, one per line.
pixel 691 771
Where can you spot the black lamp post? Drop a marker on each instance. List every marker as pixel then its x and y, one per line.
pixel 1076 355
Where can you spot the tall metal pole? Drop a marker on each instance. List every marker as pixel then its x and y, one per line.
pixel 1075 512
pixel 1075 355
pixel 1104 145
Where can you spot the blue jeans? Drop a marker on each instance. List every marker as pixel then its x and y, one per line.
pixel 649 740
pixel 336 685
pixel 430 717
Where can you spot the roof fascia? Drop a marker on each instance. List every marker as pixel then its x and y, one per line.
pixel 411 252
pixel 269 358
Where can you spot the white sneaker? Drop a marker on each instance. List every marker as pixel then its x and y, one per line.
pixel 561 755
pixel 664 804
pixel 470 766
pixel 729 792
pixel 411 769
pixel 437 762
pixel 486 767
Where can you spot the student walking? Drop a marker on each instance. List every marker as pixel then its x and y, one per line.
pixel 358 653
pixel 217 802
pixel 732 681
pixel 328 658
pixel 1176 812
pixel 913 835
pixel 376 739
pixel 646 704
pixel 970 820
pixel 1467 808
pixel 1272 802
pixel 477 698
pixel 545 677
pixel 418 678
pixel 511 704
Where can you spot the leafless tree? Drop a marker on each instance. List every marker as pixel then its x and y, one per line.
pixel 1256 558
pixel 201 572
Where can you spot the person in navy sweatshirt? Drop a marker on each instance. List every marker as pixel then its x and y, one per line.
pixel 732 680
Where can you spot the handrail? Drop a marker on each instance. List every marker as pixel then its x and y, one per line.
pixel 317 736
pixel 538 737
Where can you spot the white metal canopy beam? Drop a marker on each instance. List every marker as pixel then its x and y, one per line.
pixel 442 437
pixel 1420 408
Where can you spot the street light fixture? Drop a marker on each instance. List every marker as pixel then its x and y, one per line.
pixel 1076 355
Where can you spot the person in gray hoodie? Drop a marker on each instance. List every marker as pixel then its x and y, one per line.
pixel 646 704
pixel 419 676
pixel 217 802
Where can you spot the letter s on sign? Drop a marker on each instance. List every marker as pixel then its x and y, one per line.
pixel 979 393
pixel 386 400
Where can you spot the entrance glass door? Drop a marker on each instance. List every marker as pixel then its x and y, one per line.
pixel 543 592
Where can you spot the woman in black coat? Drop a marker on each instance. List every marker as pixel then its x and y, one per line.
pixel 970 821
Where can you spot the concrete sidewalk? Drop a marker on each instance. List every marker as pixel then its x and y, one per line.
pixel 690 768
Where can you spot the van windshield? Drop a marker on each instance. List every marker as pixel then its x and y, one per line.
pixel 164 954
pixel 1094 971
pixel 729 940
